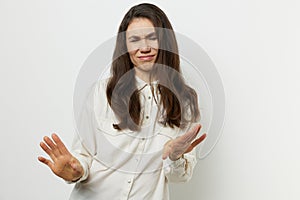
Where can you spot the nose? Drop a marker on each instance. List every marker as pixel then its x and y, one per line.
pixel 144 46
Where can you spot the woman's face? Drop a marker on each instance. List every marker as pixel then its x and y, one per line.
pixel 142 45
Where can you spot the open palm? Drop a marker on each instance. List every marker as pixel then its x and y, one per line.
pixel 183 144
pixel 63 163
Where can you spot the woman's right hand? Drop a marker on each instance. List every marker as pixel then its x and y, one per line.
pixel 63 163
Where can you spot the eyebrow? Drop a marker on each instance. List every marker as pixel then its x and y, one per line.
pixel 147 36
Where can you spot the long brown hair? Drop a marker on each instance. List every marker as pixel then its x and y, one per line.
pixel 122 93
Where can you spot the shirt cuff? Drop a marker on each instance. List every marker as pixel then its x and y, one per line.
pixel 174 164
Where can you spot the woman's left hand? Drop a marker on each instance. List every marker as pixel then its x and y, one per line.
pixel 183 144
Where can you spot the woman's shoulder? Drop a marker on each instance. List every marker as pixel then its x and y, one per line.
pixel 100 99
pixel 101 84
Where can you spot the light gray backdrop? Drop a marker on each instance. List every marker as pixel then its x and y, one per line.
pixel 254 44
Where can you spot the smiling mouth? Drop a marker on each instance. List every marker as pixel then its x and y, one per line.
pixel 146 58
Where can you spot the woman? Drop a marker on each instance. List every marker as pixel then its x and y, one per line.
pixel 135 134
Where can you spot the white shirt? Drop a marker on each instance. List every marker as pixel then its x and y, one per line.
pixel 121 165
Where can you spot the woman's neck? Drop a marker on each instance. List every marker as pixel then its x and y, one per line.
pixel 144 75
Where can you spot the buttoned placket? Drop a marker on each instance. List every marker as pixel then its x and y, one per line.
pixel 148 104
pixel 147 101
pixel 129 181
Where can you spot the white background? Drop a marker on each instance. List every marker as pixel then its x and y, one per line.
pixel 254 45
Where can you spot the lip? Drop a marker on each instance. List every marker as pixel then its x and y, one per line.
pixel 146 57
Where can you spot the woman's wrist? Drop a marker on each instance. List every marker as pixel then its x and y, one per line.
pixel 174 159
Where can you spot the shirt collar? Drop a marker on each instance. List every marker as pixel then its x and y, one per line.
pixel 141 83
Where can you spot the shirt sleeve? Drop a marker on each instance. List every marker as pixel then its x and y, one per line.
pixel 180 170
pixel 83 156
pixel 83 146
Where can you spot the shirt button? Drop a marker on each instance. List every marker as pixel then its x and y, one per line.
pixel 147 117
pixel 149 97
pixel 129 181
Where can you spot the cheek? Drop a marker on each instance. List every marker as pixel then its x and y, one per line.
pixel 153 45
pixel 131 47
pixel 132 54
pixel 132 57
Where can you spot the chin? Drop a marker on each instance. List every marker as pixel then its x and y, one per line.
pixel 147 67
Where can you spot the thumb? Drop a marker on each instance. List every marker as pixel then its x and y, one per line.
pixel 46 162
pixel 166 150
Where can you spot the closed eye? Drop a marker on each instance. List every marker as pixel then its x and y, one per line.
pixel 134 39
pixel 151 36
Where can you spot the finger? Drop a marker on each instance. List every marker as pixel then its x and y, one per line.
pixel 49 142
pixel 193 131
pixel 199 140
pixel 195 143
pixel 47 150
pixel 46 162
pixel 60 145
pixel 189 136
pixel 52 146
pixel 166 150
